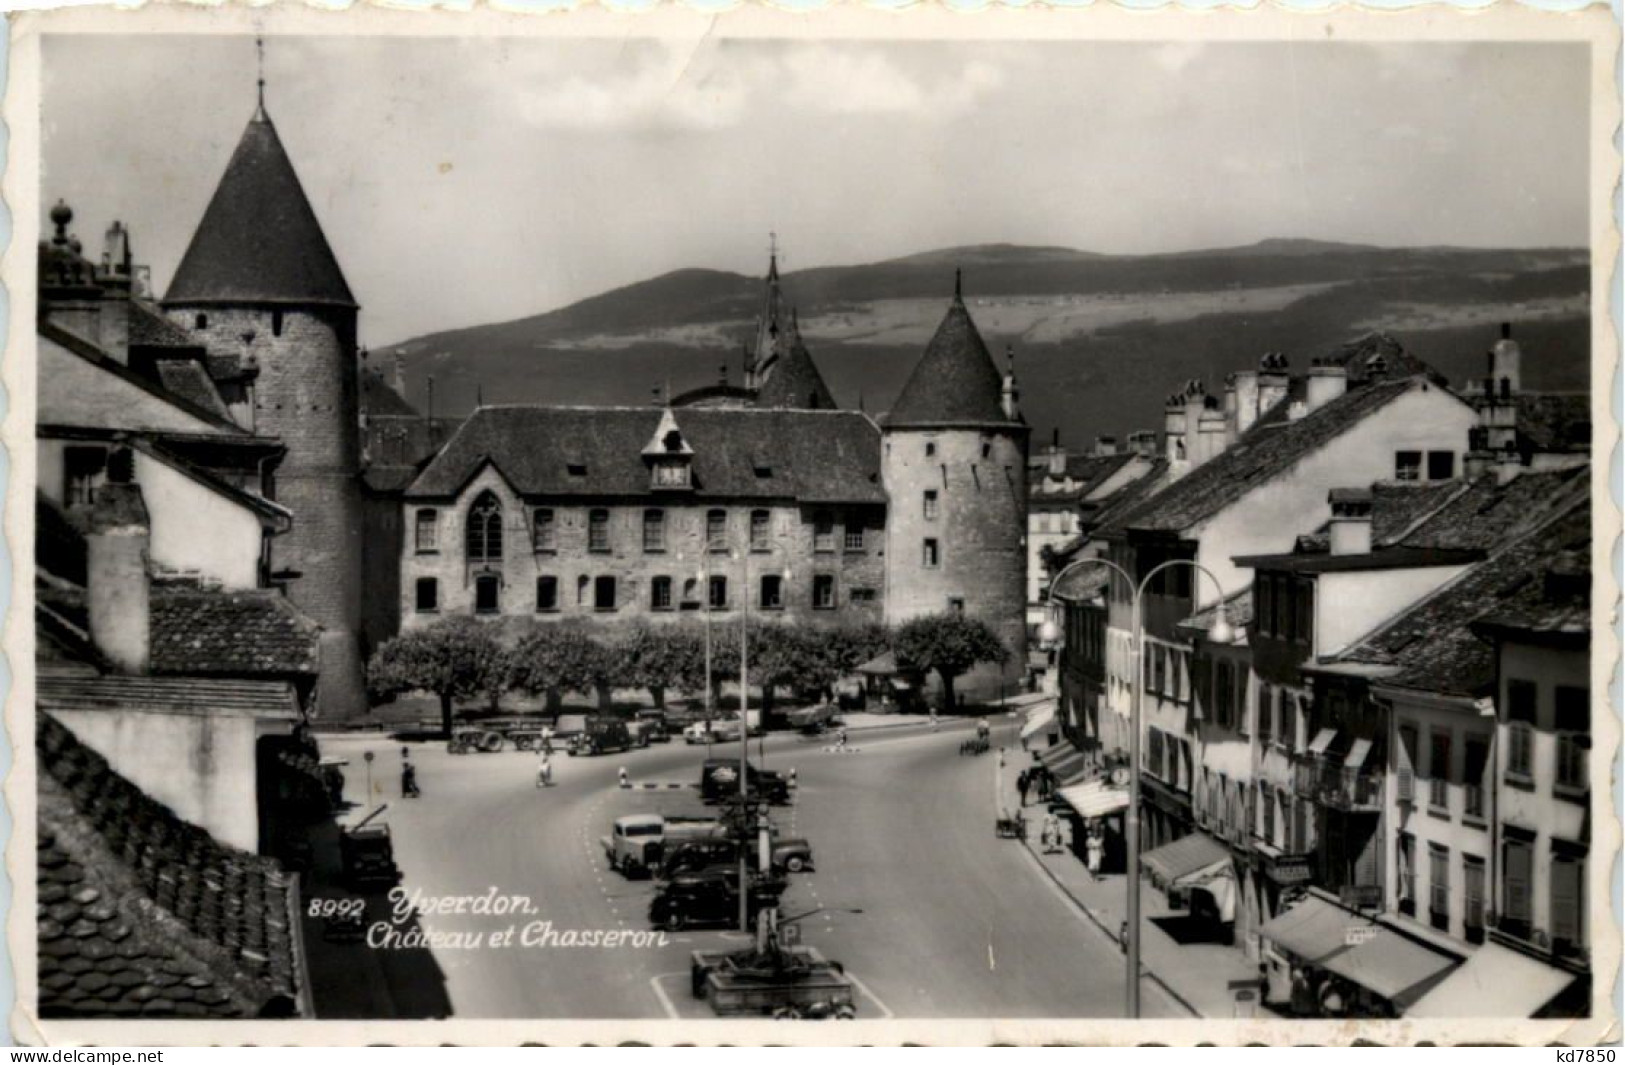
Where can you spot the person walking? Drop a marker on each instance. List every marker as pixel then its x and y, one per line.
pixel 544 774
pixel 1024 780
pixel 1052 834
pixel 1094 848
pixel 409 776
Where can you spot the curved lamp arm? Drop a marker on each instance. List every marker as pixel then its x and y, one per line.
pixel 1049 632
pixel 1221 632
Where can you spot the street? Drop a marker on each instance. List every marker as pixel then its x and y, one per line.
pixel 955 922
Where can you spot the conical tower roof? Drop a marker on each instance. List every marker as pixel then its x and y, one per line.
pixel 794 381
pixel 955 383
pixel 259 241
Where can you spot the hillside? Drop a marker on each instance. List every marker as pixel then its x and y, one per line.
pixel 1099 339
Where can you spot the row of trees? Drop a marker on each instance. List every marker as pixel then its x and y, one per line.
pixel 460 658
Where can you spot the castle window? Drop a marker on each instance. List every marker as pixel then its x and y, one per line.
pixel 930 448
pixel 487 594
pixel 276 323
pixel 598 531
pixel 772 591
pixel 547 594
pixel 862 595
pixel 654 531
pixel 716 531
pixel 823 591
pixel 583 586
pixel 823 531
pixel 853 537
pixel 759 530
pixel 427 531
pixel 718 590
pixel 485 529
pixel 660 593
pixel 546 534
pixel 956 606
pixel 931 555
pixel 930 504
pixel 603 593
pixel 428 595
pixel 201 321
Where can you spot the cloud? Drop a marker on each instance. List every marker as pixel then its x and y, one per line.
pixel 702 86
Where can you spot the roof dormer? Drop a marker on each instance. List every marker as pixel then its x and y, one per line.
pixel 669 456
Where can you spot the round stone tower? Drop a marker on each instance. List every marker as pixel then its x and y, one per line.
pixel 954 459
pixel 259 284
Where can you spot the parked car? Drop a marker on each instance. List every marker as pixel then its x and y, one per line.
pixel 719 778
pixel 716 730
pixel 711 897
pixel 651 727
pixel 637 843
pixel 601 736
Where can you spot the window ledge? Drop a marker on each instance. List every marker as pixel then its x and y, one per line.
pixel 604 609
pixel 427 551
pixel 1441 813
pixel 547 610
pixel 1475 821
pixel 545 551
pixel 1572 793
pixel 428 610
pixel 1517 780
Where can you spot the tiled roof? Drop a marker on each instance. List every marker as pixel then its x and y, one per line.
pixel 954 383
pixel 149 327
pixel 1238 610
pixel 794 381
pixel 1363 357
pixel 1557 605
pixel 1487 514
pixel 812 456
pixel 229 696
pixel 189 380
pixel 1432 647
pixel 405 439
pixel 257 633
pixel 1555 421
pixel 1085 582
pixel 1100 513
pixel 259 241
pixel 1086 471
pixel 1263 453
pixel 143 915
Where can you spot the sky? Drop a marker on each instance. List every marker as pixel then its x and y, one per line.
pixel 477 180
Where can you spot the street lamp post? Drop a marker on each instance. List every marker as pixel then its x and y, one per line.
pixel 1221 633
pixel 763 841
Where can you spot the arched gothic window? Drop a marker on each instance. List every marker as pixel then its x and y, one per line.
pixel 485 529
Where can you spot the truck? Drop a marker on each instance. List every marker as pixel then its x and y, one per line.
pixel 719 779
pixel 601 736
pixel 637 842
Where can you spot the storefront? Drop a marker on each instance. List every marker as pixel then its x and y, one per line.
pixel 1327 961
pixel 1096 811
pixel 1198 875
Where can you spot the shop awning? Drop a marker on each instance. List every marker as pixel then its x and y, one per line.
pixel 1094 799
pixel 1358 949
pixel 1038 719
pixel 1220 887
pixel 1357 754
pixel 1323 739
pixel 1066 762
pixel 1195 853
pixel 1494 982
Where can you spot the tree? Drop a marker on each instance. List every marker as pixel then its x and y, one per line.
pixel 846 647
pixel 949 643
pixel 553 659
pixel 658 657
pixel 454 658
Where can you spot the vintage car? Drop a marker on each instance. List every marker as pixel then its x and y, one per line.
pixel 367 853
pixel 717 730
pixel 637 842
pixel 719 780
pixel 651 727
pixel 711 897
pixel 789 855
pixel 601 736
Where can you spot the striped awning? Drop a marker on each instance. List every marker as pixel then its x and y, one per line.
pixel 1038 719
pixel 1194 853
pixel 1094 799
pixel 1066 762
pixel 1494 982
pixel 1359 949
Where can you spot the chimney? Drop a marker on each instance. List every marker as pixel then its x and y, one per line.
pixel 1327 381
pixel 398 374
pixel 116 580
pixel 1195 404
pixel 1273 381
pixel 1011 394
pixel 1143 442
pixel 1057 455
pixel 116 260
pixel 1105 446
pixel 1173 429
pixel 1476 463
pixel 1351 521
pixel 1506 364
pixel 1246 390
pixel 1211 432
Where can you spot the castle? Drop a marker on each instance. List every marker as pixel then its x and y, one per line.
pixel 763 497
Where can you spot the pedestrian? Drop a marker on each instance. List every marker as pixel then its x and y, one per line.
pixel 933 719
pixel 983 731
pixel 1001 757
pixel 1303 1000
pixel 409 781
pixel 1094 848
pixel 544 776
pixel 840 739
pixel 1052 834
pixel 1022 780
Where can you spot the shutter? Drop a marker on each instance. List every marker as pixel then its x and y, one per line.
pixel 1566 900
pixel 1517 881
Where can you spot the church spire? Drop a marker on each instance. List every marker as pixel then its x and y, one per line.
pixel 259 49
